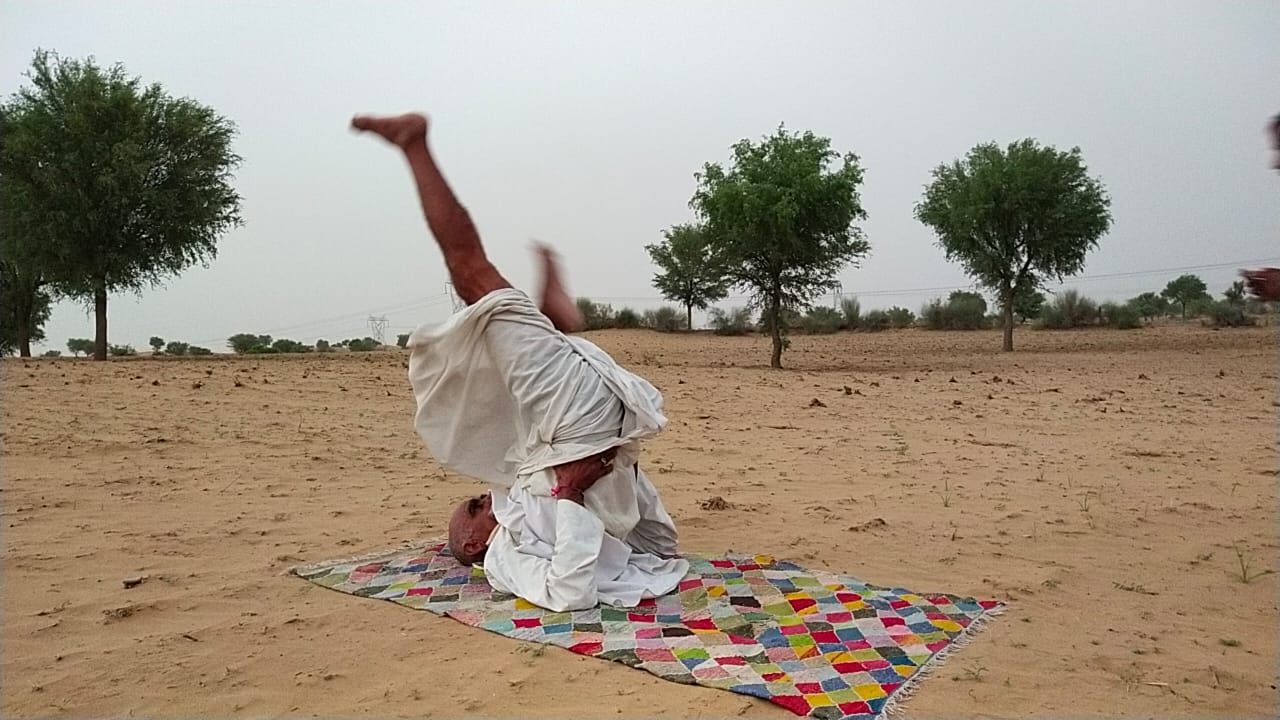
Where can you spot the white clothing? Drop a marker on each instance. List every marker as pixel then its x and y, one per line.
pixel 556 553
pixel 504 397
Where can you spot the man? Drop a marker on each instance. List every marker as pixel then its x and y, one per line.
pixel 549 420
pixel 1264 284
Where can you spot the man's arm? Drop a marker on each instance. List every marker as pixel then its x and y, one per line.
pixel 566 581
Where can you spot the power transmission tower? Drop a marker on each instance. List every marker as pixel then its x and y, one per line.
pixel 378 325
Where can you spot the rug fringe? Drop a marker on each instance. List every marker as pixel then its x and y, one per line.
pixel 371 555
pixel 893 708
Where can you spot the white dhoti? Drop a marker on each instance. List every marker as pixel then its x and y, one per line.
pixel 504 397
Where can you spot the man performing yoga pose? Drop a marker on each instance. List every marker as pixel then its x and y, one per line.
pixel 550 421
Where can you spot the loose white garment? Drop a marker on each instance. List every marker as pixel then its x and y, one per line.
pixel 556 554
pixel 504 397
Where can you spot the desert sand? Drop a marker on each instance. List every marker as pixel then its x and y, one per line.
pixel 1107 485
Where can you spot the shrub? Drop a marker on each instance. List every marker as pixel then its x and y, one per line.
pixel 1069 309
pixel 595 316
pixel 1224 313
pixel 285 345
pixel 875 321
pixel 176 348
pixel 1121 317
pixel 52 353
pixel 197 350
pixel 402 340
pixel 322 346
pixel 242 343
pixel 627 319
pixel 361 345
pixel 80 345
pixel 852 311
pixel 262 350
pixel 121 350
pixel 734 322
pixel 664 319
pixel 962 311
pixel 822 320
pixel 900 317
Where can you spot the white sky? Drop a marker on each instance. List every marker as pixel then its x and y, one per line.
pixel 582 124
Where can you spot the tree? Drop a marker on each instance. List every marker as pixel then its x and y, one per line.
pixel 242 343
pixel 197 350
pixel 1150 305
pixel 24 308
pixel 175 347
pixel 322 346
pixel 24 302
pixel 690 271
pixel 780 218
pixel 1014 217
pixel 1235 294
pixel 1028 304
pixel 120 186
pixel 285 345
pixel 76 346
pixel 1186 289
pixel 156 343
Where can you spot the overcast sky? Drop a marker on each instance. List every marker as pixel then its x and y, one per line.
pixel 582 124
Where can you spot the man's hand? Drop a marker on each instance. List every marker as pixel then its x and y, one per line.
pixel 575 478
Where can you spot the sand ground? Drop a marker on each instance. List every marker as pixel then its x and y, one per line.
pixel 1108 485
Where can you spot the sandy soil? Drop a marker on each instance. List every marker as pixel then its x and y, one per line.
pixel 1106 484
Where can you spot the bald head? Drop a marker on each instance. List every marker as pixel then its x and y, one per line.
pixel 470 525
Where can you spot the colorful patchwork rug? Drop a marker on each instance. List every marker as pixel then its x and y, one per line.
pixel 819 644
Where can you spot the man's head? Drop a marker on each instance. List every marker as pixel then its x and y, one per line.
pixel 470 526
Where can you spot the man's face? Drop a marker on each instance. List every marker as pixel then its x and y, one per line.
pixel 471 524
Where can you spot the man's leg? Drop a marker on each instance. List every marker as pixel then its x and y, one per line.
pixel 472 274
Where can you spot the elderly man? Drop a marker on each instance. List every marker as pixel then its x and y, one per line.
pixel 550 421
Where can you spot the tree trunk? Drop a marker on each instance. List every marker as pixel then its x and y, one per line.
pixel 1184 311
pixel 23 329
pixel 1008 326
pixel 775 326
pixel 688 308
pixel 100 316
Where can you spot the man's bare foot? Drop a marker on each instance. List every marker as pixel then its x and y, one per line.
pixel 555 301
pixel 401 130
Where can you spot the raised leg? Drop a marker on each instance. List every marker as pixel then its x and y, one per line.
pixel 554 300
pixel 472 274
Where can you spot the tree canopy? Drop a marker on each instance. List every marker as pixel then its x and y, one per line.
pixel 117 185
pixel 690 271
pixel 1014 217
pixel 781 218
pixel 1184 290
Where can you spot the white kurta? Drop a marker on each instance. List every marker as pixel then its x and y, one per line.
pixel 504 397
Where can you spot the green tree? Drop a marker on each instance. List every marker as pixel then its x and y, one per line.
pixel 121 185
pixel 1028 304
pixel 242 343
pixel 1184 290
pixel 175 347
pixel 1014 217
pixel 322 346
pixel 690 270
pixel 285 345
pixel 24 301
pixel 1150 305
pixel 156 343
pixel 1235 294
pixel 76 346
pixel 24 308
pixel 197 350
pixel 781 218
